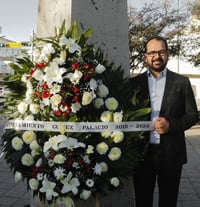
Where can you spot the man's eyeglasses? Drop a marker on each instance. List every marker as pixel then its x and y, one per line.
pixel 154 53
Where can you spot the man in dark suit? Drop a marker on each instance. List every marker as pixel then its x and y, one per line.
pixel 173 110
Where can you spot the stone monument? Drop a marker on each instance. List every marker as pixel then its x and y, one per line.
pixel 109 23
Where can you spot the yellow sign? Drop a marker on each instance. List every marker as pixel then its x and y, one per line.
pixel 13 44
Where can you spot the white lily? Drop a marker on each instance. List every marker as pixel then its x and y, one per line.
pixel 71 143
pixel 48 188
pixel 70 184
pixel 53 142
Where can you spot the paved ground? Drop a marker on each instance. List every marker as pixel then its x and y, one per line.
pixel 15 195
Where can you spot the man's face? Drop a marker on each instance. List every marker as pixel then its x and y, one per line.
pixel 156 55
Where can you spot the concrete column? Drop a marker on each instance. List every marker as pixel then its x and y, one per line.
pixel 108 20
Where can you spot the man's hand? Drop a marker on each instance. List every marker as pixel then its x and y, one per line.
pixel 161 125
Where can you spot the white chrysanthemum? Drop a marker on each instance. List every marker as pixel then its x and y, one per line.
pixel 34 108
pixel 29 94
pixel 114 181
pixel 85 194
pixel 33 184
pixel 100 69
pixel 28 136
pixel 17 143
pixel 27 160
pixel 18 176
pixel 117 136
pixel 38 75
pixel 24 78
pixel 75 107
pixel 106 134
pixel 115 153
pixel 90 149
pixel 118 116
pixel 55 100
pixel 59 173
pixel 111 103
pixel 59 159
pixel 75 77
pixel 22 107
pixel 102 91
pixel 87 98
pixel 98 103
pixel 102 148
pixel 106 116
pixel 104 167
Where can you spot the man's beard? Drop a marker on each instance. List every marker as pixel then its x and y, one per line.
pixel 157 69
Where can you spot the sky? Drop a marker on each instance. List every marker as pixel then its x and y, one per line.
pixel 18 18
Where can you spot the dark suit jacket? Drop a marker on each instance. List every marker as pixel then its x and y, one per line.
pixel 178 107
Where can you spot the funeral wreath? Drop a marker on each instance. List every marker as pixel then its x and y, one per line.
pixel 68 82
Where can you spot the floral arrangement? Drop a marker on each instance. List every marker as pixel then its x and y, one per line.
pixel 69 81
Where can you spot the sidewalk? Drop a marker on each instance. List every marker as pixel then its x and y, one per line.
pixel 15 195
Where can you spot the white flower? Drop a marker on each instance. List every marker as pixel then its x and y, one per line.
pixel 22 107
pixel 87 98
pixel 33 184
pixel 104 167
pixel 117 136
pixel 75 107
pixel 53 74
pixel 28 136
pixel 34 145
pixel 111 103
pixel 59 173
pixel 27 159
pixel 75 77
pixel 102 148
pixel 114 154
pixel 114 181
pixel 40 176
pixel 102 91
pixel 85 194
pixel 48 188
pixel 38 75
pixel 98 103
pixel 29 117
pixel 106 134
pixel 55 88
pixel 90 149
pixel 18 176
pixel 106 116
pixel 71 143
pixel 17 143
pixel 117 116
pixel 53 142
pixel 70 184
pixel 34 108
pixel 90 183
pixel 97 169
pixel 48 49
pixel 55 100
pixel 100 68
pixel 93 84
pixel 70 44
pixel 59 159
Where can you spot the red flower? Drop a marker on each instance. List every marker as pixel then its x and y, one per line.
pixel 75 66
pixel 40 65
pixel 32 70
pixel 46 94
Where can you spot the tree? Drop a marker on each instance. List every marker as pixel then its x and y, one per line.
pixel 155 19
